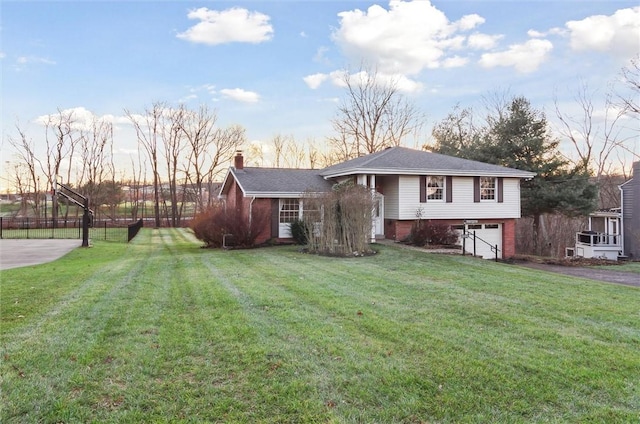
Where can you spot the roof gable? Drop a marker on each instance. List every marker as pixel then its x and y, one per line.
pixel 405 161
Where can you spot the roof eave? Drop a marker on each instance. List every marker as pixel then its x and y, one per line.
pixel 231 172
pixel 280 194
pixel 454 173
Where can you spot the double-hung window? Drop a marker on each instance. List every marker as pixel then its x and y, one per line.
pixel 487 188
pixel 435 187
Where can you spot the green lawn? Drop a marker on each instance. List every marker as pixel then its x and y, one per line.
pixel 159 330
pixel 626 267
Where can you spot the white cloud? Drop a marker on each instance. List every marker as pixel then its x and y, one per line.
pixel 408 37
pixel 25 60
pixel 483 41
pixel 337 78
pixel 524 58
pixel 2 55
pixel 320 55
pixel 468 22
pixel 240 95
pixel 314 81
pixel 618 33
pixel 122 120
pixel 194 92
pixel 83 119
pixel 454 62
pixel 536 34
pixel 227 26
pixel 80 118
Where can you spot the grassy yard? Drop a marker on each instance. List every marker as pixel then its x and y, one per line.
pixel 160 330
pixel 626 267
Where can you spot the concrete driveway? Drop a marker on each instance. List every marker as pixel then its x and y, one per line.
pixel 19 253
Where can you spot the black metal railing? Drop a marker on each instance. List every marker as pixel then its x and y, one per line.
pixel 472 235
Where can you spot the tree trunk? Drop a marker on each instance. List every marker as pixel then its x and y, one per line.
pixel 536 234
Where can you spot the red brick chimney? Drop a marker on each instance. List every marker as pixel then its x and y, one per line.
pixel 238 160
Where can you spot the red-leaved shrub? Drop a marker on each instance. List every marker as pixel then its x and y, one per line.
pixel 428 232
pixel 215 222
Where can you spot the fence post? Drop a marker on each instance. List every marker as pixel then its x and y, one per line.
pixel 27 227
pixel 85 224
pixel 1 224
pixel 474 243
pixel 105 230
pixel 496 253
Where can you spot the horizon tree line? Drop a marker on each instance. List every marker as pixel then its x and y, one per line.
pixel 183 151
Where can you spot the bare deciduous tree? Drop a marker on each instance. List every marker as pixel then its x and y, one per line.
pixel 96 154
pixel 25 173
pixel 374 115
pixel 598 136
pixel 593 143
pixel 61 137
pixel 209 148
pixel 172 134
pixel 148 131
pixel 630 79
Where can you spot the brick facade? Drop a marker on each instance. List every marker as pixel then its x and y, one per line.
pixel 400 230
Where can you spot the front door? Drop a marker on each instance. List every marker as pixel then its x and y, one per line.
pixel 289 212
pixel 378 215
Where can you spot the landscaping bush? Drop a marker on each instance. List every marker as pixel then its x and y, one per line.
pixel 299 231
pixel 338 223
pixel 211 226
pixel 428 232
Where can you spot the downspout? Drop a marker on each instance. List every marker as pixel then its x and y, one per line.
pixel 622 219
pixel 251 210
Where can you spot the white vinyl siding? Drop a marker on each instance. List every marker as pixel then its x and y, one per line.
pixel 462 205
pixel 391 197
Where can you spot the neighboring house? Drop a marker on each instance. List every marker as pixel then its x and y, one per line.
pixel 614 233
pixel 630 201
pixel 407 184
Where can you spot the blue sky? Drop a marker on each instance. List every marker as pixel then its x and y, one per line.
pixel 270 66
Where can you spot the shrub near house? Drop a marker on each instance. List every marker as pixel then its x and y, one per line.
pixel 212 225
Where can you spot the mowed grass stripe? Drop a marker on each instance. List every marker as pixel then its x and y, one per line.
pixel 183 334
pixel 488 330
pixel 79 338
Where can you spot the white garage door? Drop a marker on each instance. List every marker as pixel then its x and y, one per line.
pixel 488 236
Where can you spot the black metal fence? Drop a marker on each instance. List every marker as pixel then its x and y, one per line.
pixel 133 229
pixel 69 228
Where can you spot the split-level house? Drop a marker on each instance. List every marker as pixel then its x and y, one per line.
pixel 407 185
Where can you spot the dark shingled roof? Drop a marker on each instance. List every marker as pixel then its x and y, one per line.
pixel 402 160
pixel 261 181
